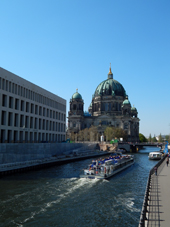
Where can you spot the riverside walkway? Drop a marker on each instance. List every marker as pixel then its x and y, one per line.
pixel 159 198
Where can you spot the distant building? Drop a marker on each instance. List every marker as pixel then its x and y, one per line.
pixel 109 107
pixel 29 113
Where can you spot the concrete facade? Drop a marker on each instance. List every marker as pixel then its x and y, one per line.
pixel 19 152
pixel 29 113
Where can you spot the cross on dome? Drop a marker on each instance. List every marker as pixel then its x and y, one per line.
pixel 110 74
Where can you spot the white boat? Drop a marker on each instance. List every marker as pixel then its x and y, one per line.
pixel 156 155
pixel 108 167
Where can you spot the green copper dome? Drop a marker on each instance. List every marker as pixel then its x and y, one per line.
pixel 110 87
pixel 76 96
pixel 133 108
pixel 126 102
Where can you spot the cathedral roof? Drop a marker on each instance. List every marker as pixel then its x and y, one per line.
pixel 110 87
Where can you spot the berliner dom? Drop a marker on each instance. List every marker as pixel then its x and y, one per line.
pixel 110 106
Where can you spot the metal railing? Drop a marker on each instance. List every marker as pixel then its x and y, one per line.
pixel 144 211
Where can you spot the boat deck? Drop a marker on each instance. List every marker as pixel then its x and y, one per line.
pixel 118 168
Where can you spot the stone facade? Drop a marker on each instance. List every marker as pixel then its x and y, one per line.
pixel 109 107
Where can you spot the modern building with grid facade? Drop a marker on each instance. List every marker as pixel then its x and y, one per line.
pixel 28 113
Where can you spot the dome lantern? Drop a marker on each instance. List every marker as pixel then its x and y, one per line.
pixel 110 74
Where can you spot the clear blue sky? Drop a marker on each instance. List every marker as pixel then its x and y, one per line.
pixel 62 45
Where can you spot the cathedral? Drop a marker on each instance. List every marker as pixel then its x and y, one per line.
pixel 110 106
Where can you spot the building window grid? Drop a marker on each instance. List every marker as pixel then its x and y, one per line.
pixel 30 95
pixel 26 93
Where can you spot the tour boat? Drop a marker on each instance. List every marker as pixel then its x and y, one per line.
pixel 106 168
pixel 156 155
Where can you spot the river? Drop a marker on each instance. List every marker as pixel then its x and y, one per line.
pixel 57 197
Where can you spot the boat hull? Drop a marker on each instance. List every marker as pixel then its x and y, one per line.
pixel 154 158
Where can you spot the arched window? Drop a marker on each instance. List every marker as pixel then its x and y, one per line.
pixel 106 106
pixel 74 107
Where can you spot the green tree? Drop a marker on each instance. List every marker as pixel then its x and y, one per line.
pixel 160 140
pixel 154 139
pixel 120 133
pixel 142 138
pixel 112 133
pixel 93 133
pixel 167 138
pixel 150 138
pixel 109 133
pixel 72 136
pixel 80 135
pixel 86 134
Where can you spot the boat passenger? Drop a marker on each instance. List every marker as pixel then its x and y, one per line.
pixel 107 169
pixel 111 168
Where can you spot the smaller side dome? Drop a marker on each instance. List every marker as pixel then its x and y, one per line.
pixel 76 95
pixel 133 108
pixel 126 102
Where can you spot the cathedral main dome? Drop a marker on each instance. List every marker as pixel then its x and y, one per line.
pixel 110 87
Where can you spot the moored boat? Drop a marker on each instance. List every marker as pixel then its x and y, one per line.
pixel 156 155
pixel 106 168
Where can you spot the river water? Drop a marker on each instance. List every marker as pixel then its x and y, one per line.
pixel 57 197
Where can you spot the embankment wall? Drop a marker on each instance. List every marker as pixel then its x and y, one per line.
pixel 18 152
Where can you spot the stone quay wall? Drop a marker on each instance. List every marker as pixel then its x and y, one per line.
pixel 17 152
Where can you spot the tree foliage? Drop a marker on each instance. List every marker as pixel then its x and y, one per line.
pixel 112 133
pixel 88 134
pixel 109 133
pixel 160 140
pixel 150 138
pixel 142 138
pixel 72 136
pixel 167 138
pixel 154 139
pixel 91 134
pixel 120 133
